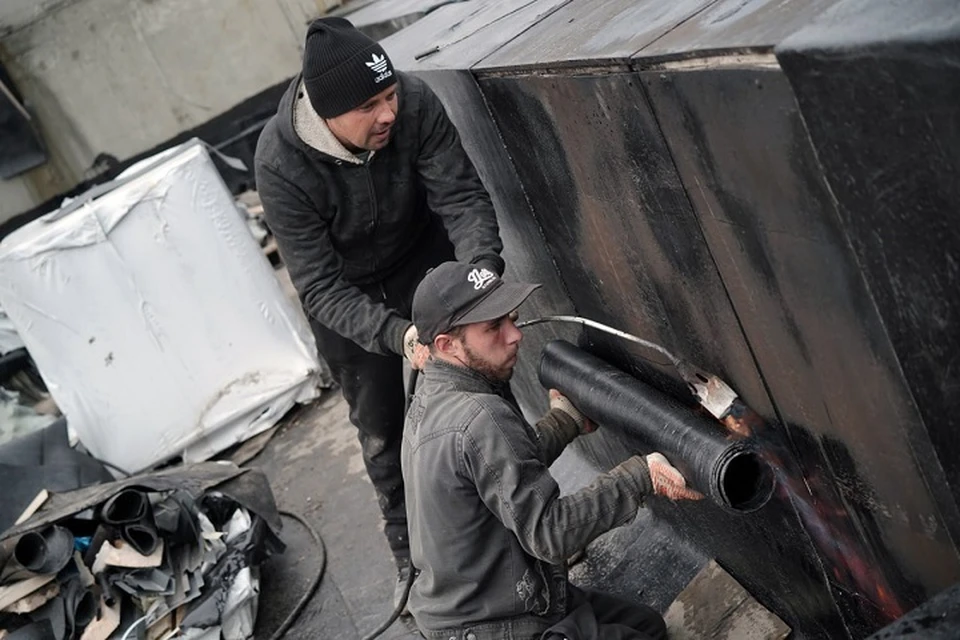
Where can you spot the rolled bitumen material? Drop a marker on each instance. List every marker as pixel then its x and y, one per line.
pixel 729 472
pixel 176 518
pixel 142 537
pixel 129 511
pixel 45 551
pixel 79 604
pixel 129 505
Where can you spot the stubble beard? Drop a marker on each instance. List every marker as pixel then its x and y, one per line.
pixel 484 367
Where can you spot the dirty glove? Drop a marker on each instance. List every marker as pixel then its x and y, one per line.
pixel 560 401
pixel 413 351
pixel 667 481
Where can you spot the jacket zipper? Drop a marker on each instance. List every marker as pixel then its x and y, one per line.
pixel 373 207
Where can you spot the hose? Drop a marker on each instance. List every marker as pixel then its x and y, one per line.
pixel 138 621
pixel 401 605
pixel 314 584
pixel 674 360
pixel 397 610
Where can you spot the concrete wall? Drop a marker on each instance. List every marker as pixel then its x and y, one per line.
pixel 121 77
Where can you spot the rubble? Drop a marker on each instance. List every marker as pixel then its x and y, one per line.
pixel 172 552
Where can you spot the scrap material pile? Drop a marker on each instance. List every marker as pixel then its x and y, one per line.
pixel 170 554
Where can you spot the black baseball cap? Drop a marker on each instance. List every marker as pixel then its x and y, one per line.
pixel 454 294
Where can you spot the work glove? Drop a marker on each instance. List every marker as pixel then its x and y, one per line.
pixel 560 401
pixel 667 481
pixel 413 351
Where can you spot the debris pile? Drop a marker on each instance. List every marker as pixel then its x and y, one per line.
pixel 172 554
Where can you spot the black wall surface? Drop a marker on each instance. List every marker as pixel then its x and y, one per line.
pixel 879 88
pixel 21 148
pixel 813 329
pixel 786 220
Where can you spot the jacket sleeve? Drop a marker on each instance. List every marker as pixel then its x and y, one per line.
pixel 453 188
pixel 556 429
pixel 502 458
pixel 316 268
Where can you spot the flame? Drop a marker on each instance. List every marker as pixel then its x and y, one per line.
pixel 827 522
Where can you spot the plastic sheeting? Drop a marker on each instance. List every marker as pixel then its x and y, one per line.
pixel 156 321
pixel 17 420
pixel 9 338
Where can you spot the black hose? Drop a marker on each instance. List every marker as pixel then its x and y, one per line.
pixel 410 391
pixel 306 597
pixel 397 610
pixel 730 472
pixel 314 584
pixel 593 324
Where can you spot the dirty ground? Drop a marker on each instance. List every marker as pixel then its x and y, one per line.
pixel 314 466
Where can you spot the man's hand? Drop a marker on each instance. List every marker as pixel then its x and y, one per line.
pixel 560 401
pixel 413 351
pixel 667 481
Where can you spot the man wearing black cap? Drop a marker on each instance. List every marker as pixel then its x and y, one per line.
pixel 490 533
pixel 365 186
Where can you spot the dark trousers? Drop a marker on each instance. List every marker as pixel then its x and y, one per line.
pixel 599 616
pixel 372 385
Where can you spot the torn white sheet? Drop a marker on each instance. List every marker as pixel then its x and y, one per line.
pixel 156 321
pixel 17 420
pixel 240 609
pixel 239 523
pixel 213 545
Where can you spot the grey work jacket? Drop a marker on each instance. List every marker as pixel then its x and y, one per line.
pixel 489 530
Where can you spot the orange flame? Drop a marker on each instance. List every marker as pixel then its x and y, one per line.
pixel 827 523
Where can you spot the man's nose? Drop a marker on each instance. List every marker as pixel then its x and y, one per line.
pixel 387 115
pixel 512 335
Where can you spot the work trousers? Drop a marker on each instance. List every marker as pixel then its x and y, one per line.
pixel 372 385
pixel 592 615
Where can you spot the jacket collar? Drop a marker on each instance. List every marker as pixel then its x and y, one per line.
pixel 314 132
pixel 441 372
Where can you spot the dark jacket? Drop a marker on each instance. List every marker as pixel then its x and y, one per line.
pixel 341 222
pixel 488 527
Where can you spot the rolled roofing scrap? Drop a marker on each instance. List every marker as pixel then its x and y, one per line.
pixel 45 551
pixel 729 472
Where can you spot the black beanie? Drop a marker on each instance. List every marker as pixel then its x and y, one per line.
pixel 342 67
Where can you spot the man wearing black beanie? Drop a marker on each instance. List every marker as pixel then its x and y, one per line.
pixel 365 186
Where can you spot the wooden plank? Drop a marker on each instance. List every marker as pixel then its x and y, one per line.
pixel 714 606
pixel 13 592
pixel 105 624
pixel 35 599
pixel 32 508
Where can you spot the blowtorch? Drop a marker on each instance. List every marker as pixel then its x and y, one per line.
pixel 729 469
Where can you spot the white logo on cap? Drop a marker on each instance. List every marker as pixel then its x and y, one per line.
pixel 481 278
pixel 378 65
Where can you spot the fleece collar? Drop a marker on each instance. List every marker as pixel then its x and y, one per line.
pixel 314 132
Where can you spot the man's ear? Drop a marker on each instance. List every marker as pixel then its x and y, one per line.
pixel 445 344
